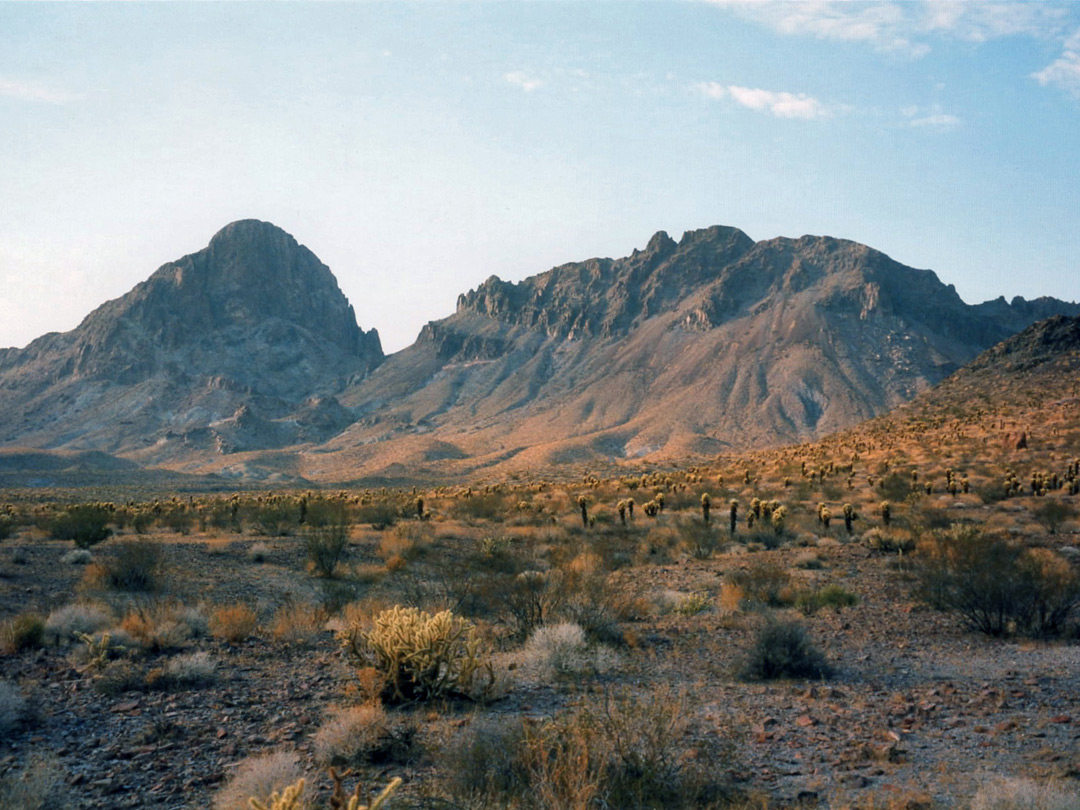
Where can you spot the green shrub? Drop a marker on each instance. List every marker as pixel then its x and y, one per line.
pixel 784 650
pixel 85 524
pixel 25 631
pixel 830 596
pixel 135 566
pixel 325 546
pixel 276 519
pixel 422 656
pixel 700 538
pixel 380 515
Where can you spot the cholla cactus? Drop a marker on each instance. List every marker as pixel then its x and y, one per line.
pixel 886 512
pixel 421 656
pixel 290 798
pixel 849 516
pixel 706 503
pixel 733 514
pixel 779 517
pixel 621 507
pixel 583 504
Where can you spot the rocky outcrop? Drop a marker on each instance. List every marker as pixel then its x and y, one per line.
pixel 254 320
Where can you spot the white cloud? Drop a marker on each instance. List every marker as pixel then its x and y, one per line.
pixel 779 104
pixel 34 92
pixel 1063 72
pixel 902 27
pixel 523 80
pixel 935 120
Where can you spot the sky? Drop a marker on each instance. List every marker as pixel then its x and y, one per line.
pixel 419 147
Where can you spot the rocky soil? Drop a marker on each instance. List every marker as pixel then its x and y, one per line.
pixel 919 708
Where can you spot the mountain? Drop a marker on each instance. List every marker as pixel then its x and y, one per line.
pixel 689 348
pixel 242 344
pixel 245 360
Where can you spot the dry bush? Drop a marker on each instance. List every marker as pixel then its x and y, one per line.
pixel 527 600
pixel 298 624
pixel 26 631
pixel 408 541
pixel 700 539
pixel 77 556
pixel 163 625
pixel 66 624
pixel 12 706
pixel 894 541
pixel 764 582
pixel 1025 794
pixel 364 734
pixel 258 777
pixel 217 546
pixel 118 677
pixel 232 623
pixel 624 751
pixel 731 598
pixel 561 650
pixel 190 669
pixel 829 596
pixel 38 785
pixel 996 585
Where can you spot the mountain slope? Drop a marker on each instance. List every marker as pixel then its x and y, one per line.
pixel 252 324
pixel 709 344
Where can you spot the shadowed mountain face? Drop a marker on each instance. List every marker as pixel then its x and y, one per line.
pixel 711 343
pixel 253 323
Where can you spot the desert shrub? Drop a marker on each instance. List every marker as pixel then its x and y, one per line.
pixel 830 596
pixel 364 734
pixel 624 751
pixel 700 539
pixel 527 600
pixel 422 656
pixel 38 785
pixel 895 487
pixel 190 669
pixel 178 519
pixel 118 677
pixel 589 602
pixel 258 777
pixel 298 624
pixel 489 506
pixel 891 541
pixel 325 546
pixel 1052 513
pixel 232 623
pixel 68 623
pixel 484 760
pixel 26 631
pixel 784 650
pixel 764 582
pixel 259 552
pixel 161 626
pixel 1025 794
pixel 276 519
pixel 12 706
pixel 134 566
pixel 379 516
pixel 77 556
pixel 561 650
pixel 996 585
pixel 692 604
pixel 85 524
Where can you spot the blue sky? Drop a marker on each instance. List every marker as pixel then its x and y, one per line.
pixel 418 148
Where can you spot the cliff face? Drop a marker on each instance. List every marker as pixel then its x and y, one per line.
pixel 253 320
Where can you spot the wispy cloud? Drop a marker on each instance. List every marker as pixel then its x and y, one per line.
pixel 34 92
pixel 903 28
pixel 1063 72
pixel 929 118
pixel 779 104
pixel 523 80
